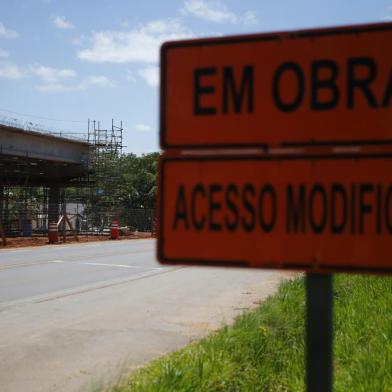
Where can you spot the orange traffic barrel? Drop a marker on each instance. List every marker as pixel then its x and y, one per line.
pixel 53 233
pixel 114 230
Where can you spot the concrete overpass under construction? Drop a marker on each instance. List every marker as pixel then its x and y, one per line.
pixel 41 159
pixel 30 158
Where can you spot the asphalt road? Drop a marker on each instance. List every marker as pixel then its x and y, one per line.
pixel 43 271
pixel 76 317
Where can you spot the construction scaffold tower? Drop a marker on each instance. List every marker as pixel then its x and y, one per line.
pixel 105 141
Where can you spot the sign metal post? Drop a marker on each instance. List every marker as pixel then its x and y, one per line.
pixel 319 333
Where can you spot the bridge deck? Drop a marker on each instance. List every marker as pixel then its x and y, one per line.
pixel 33 158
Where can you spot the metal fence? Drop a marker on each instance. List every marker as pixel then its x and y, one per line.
pixel 33 220
pixel 99 219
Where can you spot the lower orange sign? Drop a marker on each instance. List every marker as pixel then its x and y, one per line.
pixel 317 214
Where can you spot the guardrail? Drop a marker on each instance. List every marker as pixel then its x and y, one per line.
pixel 30 126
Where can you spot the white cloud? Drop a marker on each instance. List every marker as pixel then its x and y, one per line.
pixel 137 45
pixel 90 81
pixel 143 128
pixel 81 40
pixel 11 71
pixel 212 11
pixel 97 80
pixel 48 75
pixel 124 24
pixel 388 16
pixel 150 75
pixel 131 77
pixel 53 79
pixel 249 18
pixel 51 75
pixel 53 87
pixel 3 54
pixel 216 11
pixel 7 33
pixel 61 23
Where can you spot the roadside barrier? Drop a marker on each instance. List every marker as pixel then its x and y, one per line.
pixel 53 233
pixel 114 230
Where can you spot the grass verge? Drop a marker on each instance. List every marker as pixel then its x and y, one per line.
pixel 264 349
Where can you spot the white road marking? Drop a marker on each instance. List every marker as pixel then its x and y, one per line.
pixel 109 265
pixel 121 266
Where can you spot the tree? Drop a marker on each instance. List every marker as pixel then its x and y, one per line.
pixel 138 185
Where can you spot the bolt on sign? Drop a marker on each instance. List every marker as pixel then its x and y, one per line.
pixel 316 214
pixel 328 86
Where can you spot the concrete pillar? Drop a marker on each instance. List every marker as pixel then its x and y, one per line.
pixel 45 222
pixel 1 202
pixel 2 227
pixel 54 203
pixel 6 223
pixel 63 212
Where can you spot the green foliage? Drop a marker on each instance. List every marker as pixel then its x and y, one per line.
pixel 137 187
pixel 363 333
pixel 264 349
pixel 21 203
pixel 123 182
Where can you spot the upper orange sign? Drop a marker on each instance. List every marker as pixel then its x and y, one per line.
pixel 315 86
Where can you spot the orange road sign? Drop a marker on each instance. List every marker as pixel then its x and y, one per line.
pixel 314 214
pixel 325 86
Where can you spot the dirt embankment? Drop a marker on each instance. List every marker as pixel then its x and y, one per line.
pixel 20 242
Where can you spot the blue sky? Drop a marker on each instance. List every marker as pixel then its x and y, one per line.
pixel 64 61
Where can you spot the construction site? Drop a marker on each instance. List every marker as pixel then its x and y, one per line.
pixel 51 185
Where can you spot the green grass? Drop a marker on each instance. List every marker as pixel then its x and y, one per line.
pixel 264 349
